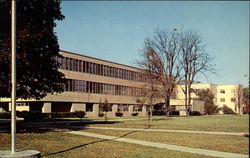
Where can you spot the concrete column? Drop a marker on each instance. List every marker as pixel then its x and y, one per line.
pixel 114 109
pixel 78 107
pixel 95 110
pixel 144 110
pixel 9 106
pixel 130 109
pixel 46 107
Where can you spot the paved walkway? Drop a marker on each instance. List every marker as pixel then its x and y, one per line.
pixel 164 146
pixel 175 131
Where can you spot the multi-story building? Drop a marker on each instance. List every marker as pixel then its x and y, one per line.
pixel 91 81
pixel 229 95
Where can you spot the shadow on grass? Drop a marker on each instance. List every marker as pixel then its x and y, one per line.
pixel 94 142
pixel 50 126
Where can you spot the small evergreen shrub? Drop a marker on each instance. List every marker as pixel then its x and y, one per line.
pixel 135 114
pixel 195 113
pixel 227 110
pixel 80 114
pixel 176 113
pixel 159 112
pixel 101 114
pixel 119 114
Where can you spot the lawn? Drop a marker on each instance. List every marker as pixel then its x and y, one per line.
pixel 61 144
pixel 225 123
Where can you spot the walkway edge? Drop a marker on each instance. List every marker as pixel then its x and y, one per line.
pixel 175 131
pixel 164 146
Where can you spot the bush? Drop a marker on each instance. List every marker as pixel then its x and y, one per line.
pixel 227 110
pixel 135 114
pixel 80 114
pixel 159 112
pixel 33 116
pixel 119 114
pixel 101 114
pixel 195 113
pixel 5 115
pixel 63 114
pixel 177 113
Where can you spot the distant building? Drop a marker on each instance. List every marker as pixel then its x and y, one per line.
pixel 91 81
pixel 229 95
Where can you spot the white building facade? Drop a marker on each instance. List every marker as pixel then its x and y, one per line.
pixel 228 95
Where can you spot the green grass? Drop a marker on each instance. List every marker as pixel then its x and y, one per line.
pixel 60 144
pixel 226 143
pixel 63 145
pixel 226 123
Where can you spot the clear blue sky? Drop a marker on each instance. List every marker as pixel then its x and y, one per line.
pixel 115 31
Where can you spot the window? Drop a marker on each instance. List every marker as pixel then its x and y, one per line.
pixel 67 63
pixel 222 91
pixel 98 69
pixel 94 68
pixel 89 107
pixel 232 99
pixel 87 67
pixel 83 66
pixel 222 99
pixel 80 66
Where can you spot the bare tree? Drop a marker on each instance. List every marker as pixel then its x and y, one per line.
pixel 238 99
pixel 194 60
pixel 160 60
pixel 150 95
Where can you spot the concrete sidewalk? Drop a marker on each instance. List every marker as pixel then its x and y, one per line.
pixel 166 130
pixel 164 146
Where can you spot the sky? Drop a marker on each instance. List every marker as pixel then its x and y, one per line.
pixel 115 31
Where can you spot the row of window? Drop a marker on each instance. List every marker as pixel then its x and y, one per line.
pixel 223 100
pixel 223 91
pixel 100 88
pixel 99 69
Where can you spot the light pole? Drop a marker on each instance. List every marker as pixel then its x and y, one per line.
pixel 13 76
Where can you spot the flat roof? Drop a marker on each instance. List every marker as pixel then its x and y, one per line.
pixel 100 59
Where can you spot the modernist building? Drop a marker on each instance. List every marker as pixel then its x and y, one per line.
pixel 91 81
pixel 229 95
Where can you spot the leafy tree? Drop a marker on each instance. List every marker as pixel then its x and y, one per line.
pixel 207 96
pixel 37 48
pixel 106 106
pixel 246 93
pixel 227 110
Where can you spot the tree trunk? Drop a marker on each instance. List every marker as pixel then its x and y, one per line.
pixel 189 99
pixel 167 106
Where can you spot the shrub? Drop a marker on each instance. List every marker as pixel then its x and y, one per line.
pixel 195 113
pixel 135 114
pixel 5 115
pixel 159 112
pixel 227 110
pixel 33 116
pixel 101 114
pixel 119 114
pixel 80 114
pixel 175 113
